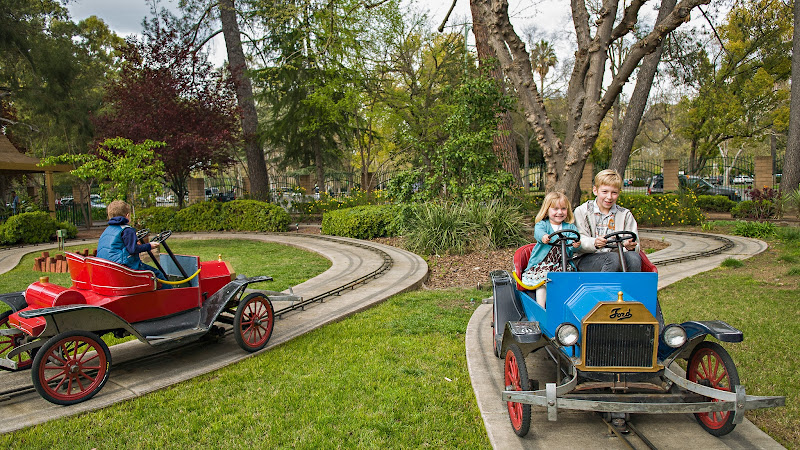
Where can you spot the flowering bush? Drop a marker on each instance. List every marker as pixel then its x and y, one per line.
pixel 663 210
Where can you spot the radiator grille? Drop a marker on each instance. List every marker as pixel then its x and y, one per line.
pixel 618 345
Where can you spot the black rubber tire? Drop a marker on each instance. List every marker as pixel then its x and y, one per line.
pixel 7 343
pixel 727 378
pixel 52 369
pixel 253 322
pixel 516 375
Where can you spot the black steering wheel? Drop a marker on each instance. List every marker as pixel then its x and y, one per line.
pixel 563 235
pixel 161 237
pixel 141 234
pixel 614 239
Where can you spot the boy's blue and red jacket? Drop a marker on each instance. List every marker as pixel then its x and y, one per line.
pixel 118 243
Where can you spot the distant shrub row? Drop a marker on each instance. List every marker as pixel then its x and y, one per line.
pixel 237 215
pixel 33 228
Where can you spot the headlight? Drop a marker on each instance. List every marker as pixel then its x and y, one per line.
pixel 567 334
pixel 674 335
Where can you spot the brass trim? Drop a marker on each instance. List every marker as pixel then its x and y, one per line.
pixel 631 313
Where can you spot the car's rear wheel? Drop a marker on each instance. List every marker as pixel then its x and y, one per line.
pixel 71 367
pixel 253 322
pixel 711 365
pixel 8 343
pixel 516 379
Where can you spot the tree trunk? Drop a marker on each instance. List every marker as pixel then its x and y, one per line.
pixel 319 164
pixel 256 165
pixel 503 141
pixel 621 151
pixel 589 97
pixel 790 177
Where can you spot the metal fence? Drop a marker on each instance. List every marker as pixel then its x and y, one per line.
pixel 734 173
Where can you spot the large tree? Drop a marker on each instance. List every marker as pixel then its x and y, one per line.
pixel 590 96
pixel 166 91
pixel 790 179
pixel 256 166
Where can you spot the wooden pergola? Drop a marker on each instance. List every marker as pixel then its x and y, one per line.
pixel 12 162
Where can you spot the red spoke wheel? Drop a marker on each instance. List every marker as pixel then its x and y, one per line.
pixel 516 377
pixel 8 343
pixel 71 367
pixel 253 322
pixel 712 366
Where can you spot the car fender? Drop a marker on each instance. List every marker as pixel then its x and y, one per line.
pixel 527 335
pixel 92 318
pixel 506 305
pixel 15 300
pixel 696 332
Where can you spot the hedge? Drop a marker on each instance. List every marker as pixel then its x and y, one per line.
pixel 715 203
pixel 33 228
pixel 237 215
pixel 360 222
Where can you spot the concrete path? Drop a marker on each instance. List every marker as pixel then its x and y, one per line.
pixel 154 369
pixel 581 430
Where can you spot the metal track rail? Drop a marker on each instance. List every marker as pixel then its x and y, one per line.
pixel 384 267
pixel 727 244
pixel 631 430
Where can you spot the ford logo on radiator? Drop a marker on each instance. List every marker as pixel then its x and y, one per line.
pixel 617 314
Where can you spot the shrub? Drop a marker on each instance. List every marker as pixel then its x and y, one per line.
pixel 663 210
pixel 757 230
pixel 99 214
pixel 253 215
pixel 499 224
pixel 72 230
pixel 202 216
pixel 29 228
pixel 438 228
pixel 157 218
pixel 715 203
pixel 360 222
pixel 755 210
pixel 357 197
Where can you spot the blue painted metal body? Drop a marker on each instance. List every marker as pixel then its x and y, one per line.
pixel 572 295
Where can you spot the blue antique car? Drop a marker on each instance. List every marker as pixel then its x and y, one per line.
pixel 613 352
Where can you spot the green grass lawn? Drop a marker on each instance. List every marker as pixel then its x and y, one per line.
pixel 761 297
pixel 393 376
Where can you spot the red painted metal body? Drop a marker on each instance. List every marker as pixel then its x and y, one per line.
pixel 131 294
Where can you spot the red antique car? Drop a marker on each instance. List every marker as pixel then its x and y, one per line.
pixel 56 331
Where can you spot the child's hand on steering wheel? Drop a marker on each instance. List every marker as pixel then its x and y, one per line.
pixel 630 245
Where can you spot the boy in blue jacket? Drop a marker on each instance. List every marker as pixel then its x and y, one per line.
pixel 118 241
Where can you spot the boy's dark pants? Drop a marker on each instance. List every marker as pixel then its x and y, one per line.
pixel 609 262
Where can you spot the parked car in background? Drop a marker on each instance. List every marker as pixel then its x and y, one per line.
pixel 743 179
pixel 694 183
pixel 97 201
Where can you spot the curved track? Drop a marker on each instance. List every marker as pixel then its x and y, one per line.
pixel 363 274
pixel 688 254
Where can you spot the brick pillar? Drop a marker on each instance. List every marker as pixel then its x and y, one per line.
pixel 587 178
pixel 368 181
pixel 80 193
pixel 671 169
pixel 306 183
pixel 197 191
pixel 763 175
pixel 245 188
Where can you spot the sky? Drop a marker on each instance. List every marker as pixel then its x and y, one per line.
pixel 125 16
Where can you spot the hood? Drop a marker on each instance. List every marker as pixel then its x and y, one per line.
pixel 118 220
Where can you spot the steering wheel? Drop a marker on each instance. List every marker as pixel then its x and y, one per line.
pixel 161 237
pixel 614 239
pixel 563 235
pixel 141 234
